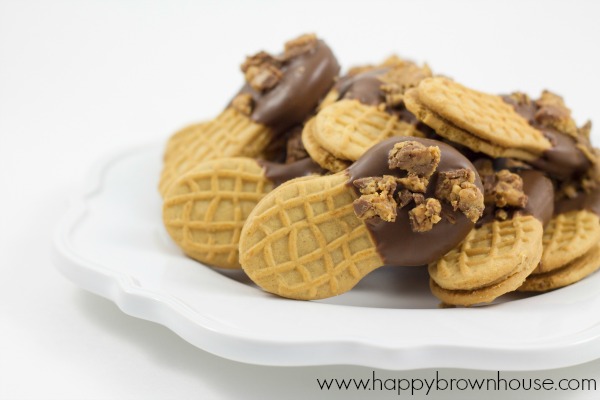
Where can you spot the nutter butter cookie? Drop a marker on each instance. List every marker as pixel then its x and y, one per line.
pixel 480 121
pixel 364 107
pixel 205 209
pixel 280 92
pixel 386 165
pixel 317 238
pixel 505 246
pixel 572 272
pixel 318 153
pixel 570 155
pixel 572 163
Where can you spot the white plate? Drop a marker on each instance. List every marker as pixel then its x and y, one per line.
pixel 112 243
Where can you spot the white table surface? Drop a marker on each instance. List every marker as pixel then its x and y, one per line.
pixel 79 80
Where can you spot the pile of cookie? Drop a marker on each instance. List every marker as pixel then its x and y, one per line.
pixel 308 181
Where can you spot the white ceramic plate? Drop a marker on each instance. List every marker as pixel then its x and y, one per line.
pixel 112 243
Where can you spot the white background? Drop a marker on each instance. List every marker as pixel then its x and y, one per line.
pixel 79 80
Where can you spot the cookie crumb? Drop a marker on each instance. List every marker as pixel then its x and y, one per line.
pixel 414 158
pixel 553 112
pixel 518 99
pixel 393 61
pixel 262 71
pixel 404 198
pixel 418 198
pixel 300 45
pixel 371 185
pixel 425 215
pixel 377 198
pixel 414 183
pixel 401 77
pixel 244 103
pixel 585 130
pixel 470 201
pixel 501 215
pixel 372 205
pixel 458 188
pixel 508 190
pixel 568 190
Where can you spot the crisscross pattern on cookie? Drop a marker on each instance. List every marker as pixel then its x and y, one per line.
pixel 568 236
pixel 489 253
pixel 484 115
pixel 231 134
pixel 177 142
pixel 303 241
pixel 348 128
pixel 205 210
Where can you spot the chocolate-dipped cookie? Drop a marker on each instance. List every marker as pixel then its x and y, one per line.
pixel 406 202
pixel 280 92
pixel 364 107
pixel 505 246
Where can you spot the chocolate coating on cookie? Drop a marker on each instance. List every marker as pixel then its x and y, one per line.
pixel 366 87
pixel 305 80
pixel 281 173
pixel 540 195
pixel 396 242
pixel 537 188
pixel 582 201
pixel 564 160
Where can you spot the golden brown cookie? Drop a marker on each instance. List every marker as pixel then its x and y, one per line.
pixel 480 121
pixel 321 156
pixel 481 295
pixel 573 272
pixel 492 260
pixel 366 106
pixel 177 142
pixel 568 236
pixel 317 238
pixel 230 134
pixel 348 128
pixel 303 241
pixel 280 92
pixel 205 209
